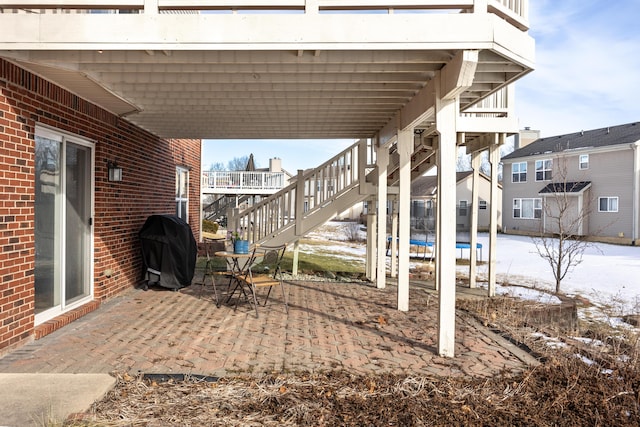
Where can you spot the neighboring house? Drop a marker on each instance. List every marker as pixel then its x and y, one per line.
pixel 423 201
pixel 77 184
pixel 224 190
pixel 597 172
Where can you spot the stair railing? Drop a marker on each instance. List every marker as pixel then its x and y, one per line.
pixel 308 193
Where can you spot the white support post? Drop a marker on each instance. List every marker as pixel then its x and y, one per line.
pixel 299 214
pixel 494 159
pixel 296 252
pixel 394 239
pixel 436 278
pixel 362 165
pixel 405 148
pixel 480 6
pixel 311 7
pixel 473 241
pixel 446 113
pixel 370 268
pixel 635 227
pixel 382 160
pixel 235 223
pixel 151 7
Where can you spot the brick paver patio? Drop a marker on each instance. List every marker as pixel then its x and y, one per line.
pixel 351 326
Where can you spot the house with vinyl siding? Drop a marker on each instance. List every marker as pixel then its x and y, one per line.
pixel 595 172
pixel 424 191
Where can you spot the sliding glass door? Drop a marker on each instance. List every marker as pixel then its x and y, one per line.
pixel 63 201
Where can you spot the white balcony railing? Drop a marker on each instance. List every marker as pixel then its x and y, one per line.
pixel 498 104
pixel 514 11
pixel 242 182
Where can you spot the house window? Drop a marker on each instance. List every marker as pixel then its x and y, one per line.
pixel 584 161
pixel 543 170
pixel 519 172
pixel 462 211
pixel 607 204
pixel 482 205
pixel 182 193
pixel 527 208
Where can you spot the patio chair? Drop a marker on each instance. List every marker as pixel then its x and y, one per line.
pixel 211 271
pixel 266 272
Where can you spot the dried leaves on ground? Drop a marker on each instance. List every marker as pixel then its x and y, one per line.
pixel 560 392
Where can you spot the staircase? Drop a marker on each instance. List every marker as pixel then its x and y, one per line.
pixel 219 207
pixel 318 195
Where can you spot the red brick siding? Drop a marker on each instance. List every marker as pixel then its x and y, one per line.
pixel 148 187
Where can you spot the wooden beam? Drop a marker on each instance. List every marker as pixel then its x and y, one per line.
pixel 458 74
pixel 481 143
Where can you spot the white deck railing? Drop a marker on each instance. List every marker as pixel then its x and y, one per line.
pixel 514 11
pixel 242 182
pixel 498 104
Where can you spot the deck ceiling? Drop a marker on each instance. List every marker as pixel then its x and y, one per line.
pixel 226 93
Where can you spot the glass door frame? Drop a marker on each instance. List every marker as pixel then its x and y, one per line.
pixel 55 134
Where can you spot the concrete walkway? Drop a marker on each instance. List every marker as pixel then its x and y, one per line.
pixel 350 326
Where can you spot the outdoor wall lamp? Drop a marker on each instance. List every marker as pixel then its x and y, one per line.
pixel 115 172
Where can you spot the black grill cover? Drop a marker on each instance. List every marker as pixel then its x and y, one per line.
pixel 168 251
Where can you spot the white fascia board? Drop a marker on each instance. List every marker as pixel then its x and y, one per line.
pixel 261 32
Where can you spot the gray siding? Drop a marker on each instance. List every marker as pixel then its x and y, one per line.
pixel 512 190
pixel 610 173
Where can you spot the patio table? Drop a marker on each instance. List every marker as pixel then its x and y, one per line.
pixel 239 264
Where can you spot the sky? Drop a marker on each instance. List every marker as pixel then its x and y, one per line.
pixel 587 76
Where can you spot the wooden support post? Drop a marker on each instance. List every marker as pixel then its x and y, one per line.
pixel 362 165
pixel 446 113
pixel 473 252
pixel 381 265
pixel 436 278
pixel 405 148
pixel 296 252
pixel 494 159
pixel 299 203
pixel 394 238
pixel 371 242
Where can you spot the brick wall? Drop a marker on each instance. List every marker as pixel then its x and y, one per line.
pixel 148 187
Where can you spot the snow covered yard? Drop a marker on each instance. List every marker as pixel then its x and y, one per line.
pixel 608 277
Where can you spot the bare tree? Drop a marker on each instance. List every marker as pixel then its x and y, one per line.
pixel 238 163
pixel 566 207
pixel 351 231
pixel 216 167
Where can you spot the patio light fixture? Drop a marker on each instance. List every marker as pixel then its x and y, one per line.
pixel 115 172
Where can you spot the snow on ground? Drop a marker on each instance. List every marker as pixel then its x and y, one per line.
pixel 609 275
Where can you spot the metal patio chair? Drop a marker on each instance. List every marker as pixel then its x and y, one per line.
pixel 265 271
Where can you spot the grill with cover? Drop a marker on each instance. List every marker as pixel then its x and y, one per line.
pixel 169 252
